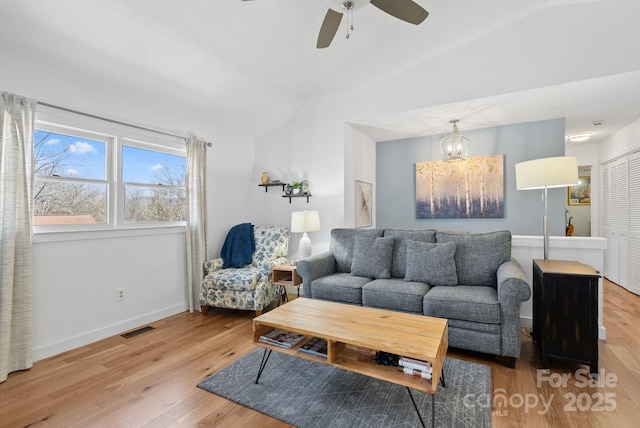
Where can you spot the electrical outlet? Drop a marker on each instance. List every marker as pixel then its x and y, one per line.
pixel 119 294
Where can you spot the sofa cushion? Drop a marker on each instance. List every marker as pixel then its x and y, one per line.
pixel 342 244
pixel 372 257
pixel 339 287
pixel 395 294
pixel 431 263
pixel 399 263
pixel 478 255
pixel 463 302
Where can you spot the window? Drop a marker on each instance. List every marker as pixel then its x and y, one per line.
pixel 71 181
pixel 153 185
pixel 89 180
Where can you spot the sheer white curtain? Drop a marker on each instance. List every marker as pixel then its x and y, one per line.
pixel 196 218
pixel 16 205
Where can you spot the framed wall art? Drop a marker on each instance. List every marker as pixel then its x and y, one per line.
pixel 473 188
pixel 580 194
pixel 364 196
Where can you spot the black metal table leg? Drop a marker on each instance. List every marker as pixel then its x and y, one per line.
pixel 265 357
pixel 415 406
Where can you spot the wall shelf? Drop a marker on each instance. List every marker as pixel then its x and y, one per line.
pixel 266 186
pixel 308 195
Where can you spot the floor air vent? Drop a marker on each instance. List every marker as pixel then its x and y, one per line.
pixel 137 332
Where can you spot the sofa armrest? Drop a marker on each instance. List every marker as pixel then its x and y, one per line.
pixel 315 267
pixel 512 283
pixel 513 289
pixel 213 265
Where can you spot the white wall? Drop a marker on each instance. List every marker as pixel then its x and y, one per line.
pixel 75 282
pixel 360 155
pixel 75 279
pixel 622 142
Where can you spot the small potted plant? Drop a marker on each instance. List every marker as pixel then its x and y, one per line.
pixel 296 187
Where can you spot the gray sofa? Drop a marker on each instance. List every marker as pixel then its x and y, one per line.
pixel 468 278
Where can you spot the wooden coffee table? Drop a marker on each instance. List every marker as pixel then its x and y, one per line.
pixel 355 333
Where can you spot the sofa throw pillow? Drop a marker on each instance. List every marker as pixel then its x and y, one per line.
pixel 372 257
pixel 399 263
pixel 431 263
pixel 478 255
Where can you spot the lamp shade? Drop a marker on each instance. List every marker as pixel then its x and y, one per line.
pixel 543 173
pixel 305 221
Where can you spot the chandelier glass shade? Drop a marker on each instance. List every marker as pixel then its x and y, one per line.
pixel 455 146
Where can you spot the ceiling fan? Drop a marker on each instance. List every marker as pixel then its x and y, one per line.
pixel 406 10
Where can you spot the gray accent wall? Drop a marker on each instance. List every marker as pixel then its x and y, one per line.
pixel 524 209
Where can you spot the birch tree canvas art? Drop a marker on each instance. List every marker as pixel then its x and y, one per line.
pixel 470 189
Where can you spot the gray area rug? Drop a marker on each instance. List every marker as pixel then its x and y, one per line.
pixel 309 394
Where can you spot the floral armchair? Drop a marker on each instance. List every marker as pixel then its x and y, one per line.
pixel 249 287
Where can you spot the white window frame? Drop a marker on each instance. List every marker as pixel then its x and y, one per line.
pixel 122 185
pixel 114 135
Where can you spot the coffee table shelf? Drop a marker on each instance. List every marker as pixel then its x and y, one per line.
pixel 355 333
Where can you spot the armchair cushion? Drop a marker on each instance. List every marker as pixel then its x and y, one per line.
pixel 272 242
pixel 238 279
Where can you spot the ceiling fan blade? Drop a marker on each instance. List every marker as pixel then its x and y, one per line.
pixel 407 10
pixel 329 28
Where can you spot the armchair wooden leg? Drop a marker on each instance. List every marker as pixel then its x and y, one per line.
pixel 258 313
pixel 204 309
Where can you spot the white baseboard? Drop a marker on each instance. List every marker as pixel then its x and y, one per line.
pixel 65 345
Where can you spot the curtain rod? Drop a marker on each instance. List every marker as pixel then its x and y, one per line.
pixel 117 122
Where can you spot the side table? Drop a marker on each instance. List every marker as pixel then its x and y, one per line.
pixel 286 275
pixel 565 312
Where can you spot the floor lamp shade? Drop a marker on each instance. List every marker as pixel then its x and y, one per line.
pixel 560 171
pixel 543 174
pixel 303 222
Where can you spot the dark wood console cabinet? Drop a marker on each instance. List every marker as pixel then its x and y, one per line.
pixel 565 312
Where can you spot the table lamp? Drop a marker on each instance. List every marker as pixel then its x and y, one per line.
pixel 543 174
pixel 303 222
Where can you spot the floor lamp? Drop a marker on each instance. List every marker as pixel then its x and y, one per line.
pixel 303 222
pixel 544 174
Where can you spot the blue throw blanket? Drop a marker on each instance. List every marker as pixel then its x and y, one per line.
pixel 239 245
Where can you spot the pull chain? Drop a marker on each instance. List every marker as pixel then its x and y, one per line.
pixel 349 7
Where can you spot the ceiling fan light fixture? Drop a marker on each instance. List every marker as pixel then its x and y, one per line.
pixel 455 146
pixel 580 137
pixel 344 5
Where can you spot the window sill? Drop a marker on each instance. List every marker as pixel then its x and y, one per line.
pixel 61 236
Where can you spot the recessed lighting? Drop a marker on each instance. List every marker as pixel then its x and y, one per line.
pixel 577 138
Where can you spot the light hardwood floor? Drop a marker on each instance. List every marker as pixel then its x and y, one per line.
pixel 150 380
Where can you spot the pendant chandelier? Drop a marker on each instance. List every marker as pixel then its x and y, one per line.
pixel 455 146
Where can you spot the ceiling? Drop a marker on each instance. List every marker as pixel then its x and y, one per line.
pixel 256 61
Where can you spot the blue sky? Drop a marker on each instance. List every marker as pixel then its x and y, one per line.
pixel 85 158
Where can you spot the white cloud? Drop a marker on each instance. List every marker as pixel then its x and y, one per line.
pixel 80 148
pixel 52 142
pixel 157 167
pixel 71 173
